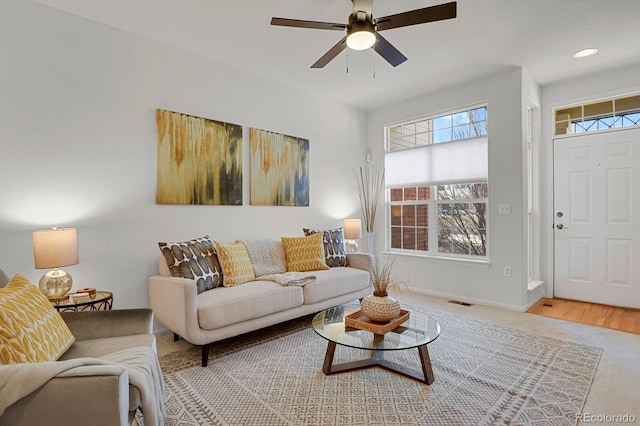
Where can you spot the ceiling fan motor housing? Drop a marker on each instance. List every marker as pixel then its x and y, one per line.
pixel 357 26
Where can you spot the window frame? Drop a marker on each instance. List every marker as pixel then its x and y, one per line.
pixel 484 201
pixel 433 226
pixel 610 113
pixel 433 203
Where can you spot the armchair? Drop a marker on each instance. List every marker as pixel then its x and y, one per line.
pixel 97 381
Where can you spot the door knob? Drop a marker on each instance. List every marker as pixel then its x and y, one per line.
pixel 560 226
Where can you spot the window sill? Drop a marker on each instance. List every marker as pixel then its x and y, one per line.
pixel 483 262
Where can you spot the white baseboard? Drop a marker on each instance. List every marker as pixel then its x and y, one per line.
pixel 535 292
pixel 533 285
pixel 471 300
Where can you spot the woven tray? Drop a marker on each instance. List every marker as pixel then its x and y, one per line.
pixel 361 322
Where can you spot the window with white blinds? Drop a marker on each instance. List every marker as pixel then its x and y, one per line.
pixel 436 173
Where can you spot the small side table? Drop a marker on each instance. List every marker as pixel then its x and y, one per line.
pixel 101 301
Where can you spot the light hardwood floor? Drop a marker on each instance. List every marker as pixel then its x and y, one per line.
pixel 613 317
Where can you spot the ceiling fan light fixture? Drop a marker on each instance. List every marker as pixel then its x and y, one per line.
pixel 361 35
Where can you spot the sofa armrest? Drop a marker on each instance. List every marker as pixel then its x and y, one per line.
pixel 175 304
pixel 96 395
pixel 100 324
pixel 364 261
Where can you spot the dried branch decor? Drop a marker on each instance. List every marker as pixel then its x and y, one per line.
pixel 370 182
pixel 381 279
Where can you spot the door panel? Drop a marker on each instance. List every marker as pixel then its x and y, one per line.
pixel 597 218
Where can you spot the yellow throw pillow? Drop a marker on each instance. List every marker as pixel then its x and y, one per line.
pixel 304 253
pixel 236 264
pixel 31 330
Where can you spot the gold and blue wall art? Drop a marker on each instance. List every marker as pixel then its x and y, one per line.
pixel 279 169
pixel 199 160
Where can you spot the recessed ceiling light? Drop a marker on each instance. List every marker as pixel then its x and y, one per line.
pixel 585 52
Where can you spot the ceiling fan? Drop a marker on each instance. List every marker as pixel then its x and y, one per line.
pixel 363 30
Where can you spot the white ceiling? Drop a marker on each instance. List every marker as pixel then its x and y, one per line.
pixel 487 36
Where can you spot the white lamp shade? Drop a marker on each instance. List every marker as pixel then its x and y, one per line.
pixel 54 248
pixel 352 229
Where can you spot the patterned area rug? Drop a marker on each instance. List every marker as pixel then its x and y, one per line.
pixel 485 374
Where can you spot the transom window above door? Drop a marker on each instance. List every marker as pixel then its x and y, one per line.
pixel 607 114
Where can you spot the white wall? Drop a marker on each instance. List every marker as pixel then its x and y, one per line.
pixel 78 146
pixel 612 83
pixel 484 283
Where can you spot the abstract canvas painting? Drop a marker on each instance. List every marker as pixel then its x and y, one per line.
pixel 199 160
pixel 279 169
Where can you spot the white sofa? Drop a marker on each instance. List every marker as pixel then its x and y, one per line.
pixel 224 312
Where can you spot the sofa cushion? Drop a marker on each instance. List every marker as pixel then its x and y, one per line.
pixel 335 282
pixel 255 299
pixel 333 241
pixel 31 330
pixel 195 259
pixel 265 257
pixel 304 253
pixel 235 262
pixel 97 348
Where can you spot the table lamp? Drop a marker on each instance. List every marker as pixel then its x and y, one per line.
pixel 352 232
pixel 54 248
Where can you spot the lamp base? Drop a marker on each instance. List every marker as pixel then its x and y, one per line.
pixel 351 246
pixel 55 283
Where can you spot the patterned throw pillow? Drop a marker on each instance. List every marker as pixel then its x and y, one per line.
pixel 333 240
pixel 235 263
pixel 304 253
pixel 195 259
pixel 264 257
pixel 31 330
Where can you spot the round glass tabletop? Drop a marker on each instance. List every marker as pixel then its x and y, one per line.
pixel 418 330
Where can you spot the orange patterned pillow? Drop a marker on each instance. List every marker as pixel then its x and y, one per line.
pixel 31 330
pixel 236 264
pixel 304 253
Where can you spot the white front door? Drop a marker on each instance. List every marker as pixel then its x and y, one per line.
pixel 597 218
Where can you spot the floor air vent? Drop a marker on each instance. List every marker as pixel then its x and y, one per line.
pixel 457 302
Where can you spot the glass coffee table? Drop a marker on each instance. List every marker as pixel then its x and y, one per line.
pixel 415 333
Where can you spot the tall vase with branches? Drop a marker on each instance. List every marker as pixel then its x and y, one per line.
pixel 370 183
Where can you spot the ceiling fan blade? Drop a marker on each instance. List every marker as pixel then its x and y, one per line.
pixel 332 53
pixel 388 52
pixel 285 22
pixel 419 16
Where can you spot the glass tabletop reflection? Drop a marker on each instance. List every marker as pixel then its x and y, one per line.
pixel 418 330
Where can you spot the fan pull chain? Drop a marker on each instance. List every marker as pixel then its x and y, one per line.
pixel 374 68
pixel 347 62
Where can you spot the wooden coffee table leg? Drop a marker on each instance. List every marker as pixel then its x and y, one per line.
pixel 377 360
pixel 328 358
pixel 425 361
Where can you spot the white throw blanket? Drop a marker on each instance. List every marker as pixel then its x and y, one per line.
pixel 290 278
pixel 19 380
